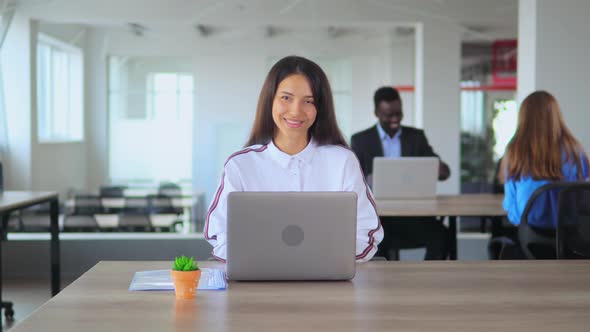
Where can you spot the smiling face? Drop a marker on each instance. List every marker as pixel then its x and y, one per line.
pixel 293 110
pixel 390 115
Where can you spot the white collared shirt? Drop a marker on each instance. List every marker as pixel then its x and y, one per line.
pixel 316 168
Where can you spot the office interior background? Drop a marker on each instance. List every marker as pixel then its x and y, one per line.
pixel 153 95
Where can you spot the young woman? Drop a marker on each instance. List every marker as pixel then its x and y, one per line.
pixel 542 150
pixel 295 145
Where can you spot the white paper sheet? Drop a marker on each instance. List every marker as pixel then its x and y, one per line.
pixel 154 280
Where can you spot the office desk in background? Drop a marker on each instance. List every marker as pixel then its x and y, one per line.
pixel 451 206
pixel 11 201
pixel 384 296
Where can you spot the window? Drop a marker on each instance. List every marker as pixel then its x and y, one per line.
pixel 170 95
pixel 59 91
pixel 504 123
pixel 151 103
pixel 472 109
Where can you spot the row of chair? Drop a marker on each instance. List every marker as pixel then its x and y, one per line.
pixel 151 204
pixel 136 214
pixel 123 222
pixel 166 189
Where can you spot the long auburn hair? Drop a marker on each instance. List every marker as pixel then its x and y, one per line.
pixel 541 141
pixel 325 128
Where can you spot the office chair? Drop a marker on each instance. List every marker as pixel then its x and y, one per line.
pixel 397 244
pixel 134 217
pixel 169 189
pixel 82 219
pixel 134 222
pixel 112 191
pixel 87 205
pixel 573 221
pixel 569 204
pixel 8 311
pixel 162 205
pixel 5 305
pixel 495 222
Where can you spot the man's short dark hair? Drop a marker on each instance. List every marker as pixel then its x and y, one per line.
pixel 385 93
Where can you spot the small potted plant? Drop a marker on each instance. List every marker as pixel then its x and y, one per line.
pixel 185 276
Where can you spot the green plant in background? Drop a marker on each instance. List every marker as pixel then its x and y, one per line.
pixel 477 157
pixel 185 264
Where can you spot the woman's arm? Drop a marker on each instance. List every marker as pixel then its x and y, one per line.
pixel 216 222
pixel 369 232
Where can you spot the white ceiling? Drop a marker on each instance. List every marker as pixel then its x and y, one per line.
pixel 481 19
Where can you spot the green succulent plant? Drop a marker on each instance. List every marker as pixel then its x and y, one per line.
pixel 185 264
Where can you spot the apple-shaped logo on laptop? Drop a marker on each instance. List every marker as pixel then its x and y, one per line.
pixel 293 235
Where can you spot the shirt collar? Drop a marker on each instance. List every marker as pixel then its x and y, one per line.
pixel 383 135
pixel 306 155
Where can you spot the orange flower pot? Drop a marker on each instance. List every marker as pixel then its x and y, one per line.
pixel 185 283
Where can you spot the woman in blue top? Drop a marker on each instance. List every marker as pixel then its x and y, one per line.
pixel 543 150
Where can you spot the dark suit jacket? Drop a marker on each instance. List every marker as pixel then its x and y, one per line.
pixel 367 145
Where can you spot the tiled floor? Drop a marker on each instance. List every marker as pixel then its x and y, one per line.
pixel 26 296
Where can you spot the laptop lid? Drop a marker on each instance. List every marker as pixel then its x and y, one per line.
pixel 291 235
pixel 406 177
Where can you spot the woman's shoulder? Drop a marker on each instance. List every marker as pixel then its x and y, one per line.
pixel 334 151
pixel 246 154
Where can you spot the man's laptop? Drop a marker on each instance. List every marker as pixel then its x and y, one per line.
pixel 406 177
pixel 291 235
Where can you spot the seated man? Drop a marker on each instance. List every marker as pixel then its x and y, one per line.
pixel 390 139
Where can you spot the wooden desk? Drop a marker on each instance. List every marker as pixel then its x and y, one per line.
pixel 384 296
pixel 15 200
pixel 452 206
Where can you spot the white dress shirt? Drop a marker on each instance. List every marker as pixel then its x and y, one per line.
pixel 316 168
pixel 392 146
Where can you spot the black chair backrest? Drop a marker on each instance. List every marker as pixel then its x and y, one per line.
pixel 131 221
pixel 498 187
pixel 112 191
pixel 87 205
pixel 1 179
pixel 136 205
pixel 161 204
pixel 573 222
pixel 169 189
pixel 566 202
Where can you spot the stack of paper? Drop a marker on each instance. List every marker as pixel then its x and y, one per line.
pixel 211 279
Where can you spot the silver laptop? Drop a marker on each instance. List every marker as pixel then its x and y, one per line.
pixel 291 235
pixel 406 177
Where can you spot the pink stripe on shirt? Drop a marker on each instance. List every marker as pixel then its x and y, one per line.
pixel 220 190
pixel 368 192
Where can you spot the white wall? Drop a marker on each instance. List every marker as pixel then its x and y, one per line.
pixel 17 84
pixel 527 48
pixel 559 50
pixel 562 59
pixel 441 102
pixel 96 115
pixel 403 73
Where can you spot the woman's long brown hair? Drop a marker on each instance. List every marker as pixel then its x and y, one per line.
pixel 542 142
pixel 325 128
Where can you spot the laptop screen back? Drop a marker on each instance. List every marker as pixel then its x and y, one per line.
pixel 407 177
pixel 291 235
